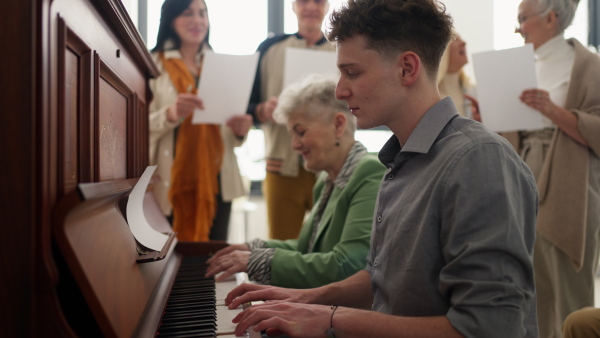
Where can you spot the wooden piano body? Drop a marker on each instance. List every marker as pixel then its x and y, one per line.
pixel 120 297
pixel 74 102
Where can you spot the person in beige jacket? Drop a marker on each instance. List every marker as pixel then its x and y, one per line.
pixel 564 158
pixel 284 170
pixel 165 117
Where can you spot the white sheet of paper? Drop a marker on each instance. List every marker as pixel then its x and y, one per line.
pixel 301 62
pixel 140 228
pixel 501 78
pixel 225 85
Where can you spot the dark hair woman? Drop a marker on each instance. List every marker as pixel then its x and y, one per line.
pixel 194 189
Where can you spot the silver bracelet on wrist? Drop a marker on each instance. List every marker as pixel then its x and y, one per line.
pixel 331 331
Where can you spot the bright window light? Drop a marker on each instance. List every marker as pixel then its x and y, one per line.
pixel 505 22
pixel 236 26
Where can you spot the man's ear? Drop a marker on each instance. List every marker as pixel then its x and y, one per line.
pixel 409 67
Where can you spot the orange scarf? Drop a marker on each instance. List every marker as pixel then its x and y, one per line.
pixel 198 158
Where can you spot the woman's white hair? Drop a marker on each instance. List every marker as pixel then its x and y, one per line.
pixel 565 10
pixel 314 98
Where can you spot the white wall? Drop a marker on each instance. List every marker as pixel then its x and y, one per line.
pixel 474 21
pixel 132 9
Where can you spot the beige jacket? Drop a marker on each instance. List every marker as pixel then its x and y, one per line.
pixel 563 181
pixel 162 143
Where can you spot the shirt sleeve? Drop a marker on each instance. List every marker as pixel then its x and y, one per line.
pixel 256 243
pixel 488 210
pixel 259 265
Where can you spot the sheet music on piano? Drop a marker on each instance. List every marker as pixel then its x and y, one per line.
pixel 140 228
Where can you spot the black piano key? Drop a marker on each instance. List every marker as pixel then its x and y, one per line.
pixel 180 317
pixel 179 312
pixel 207 334
pixel 197 323
pixel 191 308
pixel 186 297
pixel 191 300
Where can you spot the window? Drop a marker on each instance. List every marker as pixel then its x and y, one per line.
pixel 505 21
pixel 236 26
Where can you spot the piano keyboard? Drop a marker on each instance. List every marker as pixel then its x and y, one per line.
pixel 196 306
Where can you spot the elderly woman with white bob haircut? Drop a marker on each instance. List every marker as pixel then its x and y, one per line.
pixel 334 240
pixel 564 157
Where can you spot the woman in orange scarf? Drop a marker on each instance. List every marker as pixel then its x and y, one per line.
pixel 190 157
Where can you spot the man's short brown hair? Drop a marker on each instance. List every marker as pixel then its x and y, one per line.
pixel 395 26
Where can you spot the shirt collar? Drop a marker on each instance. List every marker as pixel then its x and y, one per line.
pixel 320 42
pixel 176 54
pixel 551 48
pixel 424 134
pixel 172 54
pixel 357 151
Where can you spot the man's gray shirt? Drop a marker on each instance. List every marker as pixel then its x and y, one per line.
pixel 454 229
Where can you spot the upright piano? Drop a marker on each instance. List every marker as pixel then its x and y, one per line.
pixel 115 287
pixel 74 102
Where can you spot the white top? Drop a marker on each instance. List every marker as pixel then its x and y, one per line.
pixel 553 65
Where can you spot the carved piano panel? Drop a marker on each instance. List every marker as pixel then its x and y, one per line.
pixel 115 104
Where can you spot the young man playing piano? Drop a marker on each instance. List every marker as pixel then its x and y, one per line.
pixel 453 230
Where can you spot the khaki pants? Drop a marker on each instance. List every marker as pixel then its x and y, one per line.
pixel 561 289
pixel 584 323
pixel 287 199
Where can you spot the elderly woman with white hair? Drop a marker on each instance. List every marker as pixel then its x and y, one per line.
pixel 334 240
pixel 564 157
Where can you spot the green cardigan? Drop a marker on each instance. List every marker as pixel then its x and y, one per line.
pixel 343 237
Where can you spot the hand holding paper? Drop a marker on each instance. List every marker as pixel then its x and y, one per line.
pixel 184 105
pixel 501 78
pixel 240 124
pixel 225 85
